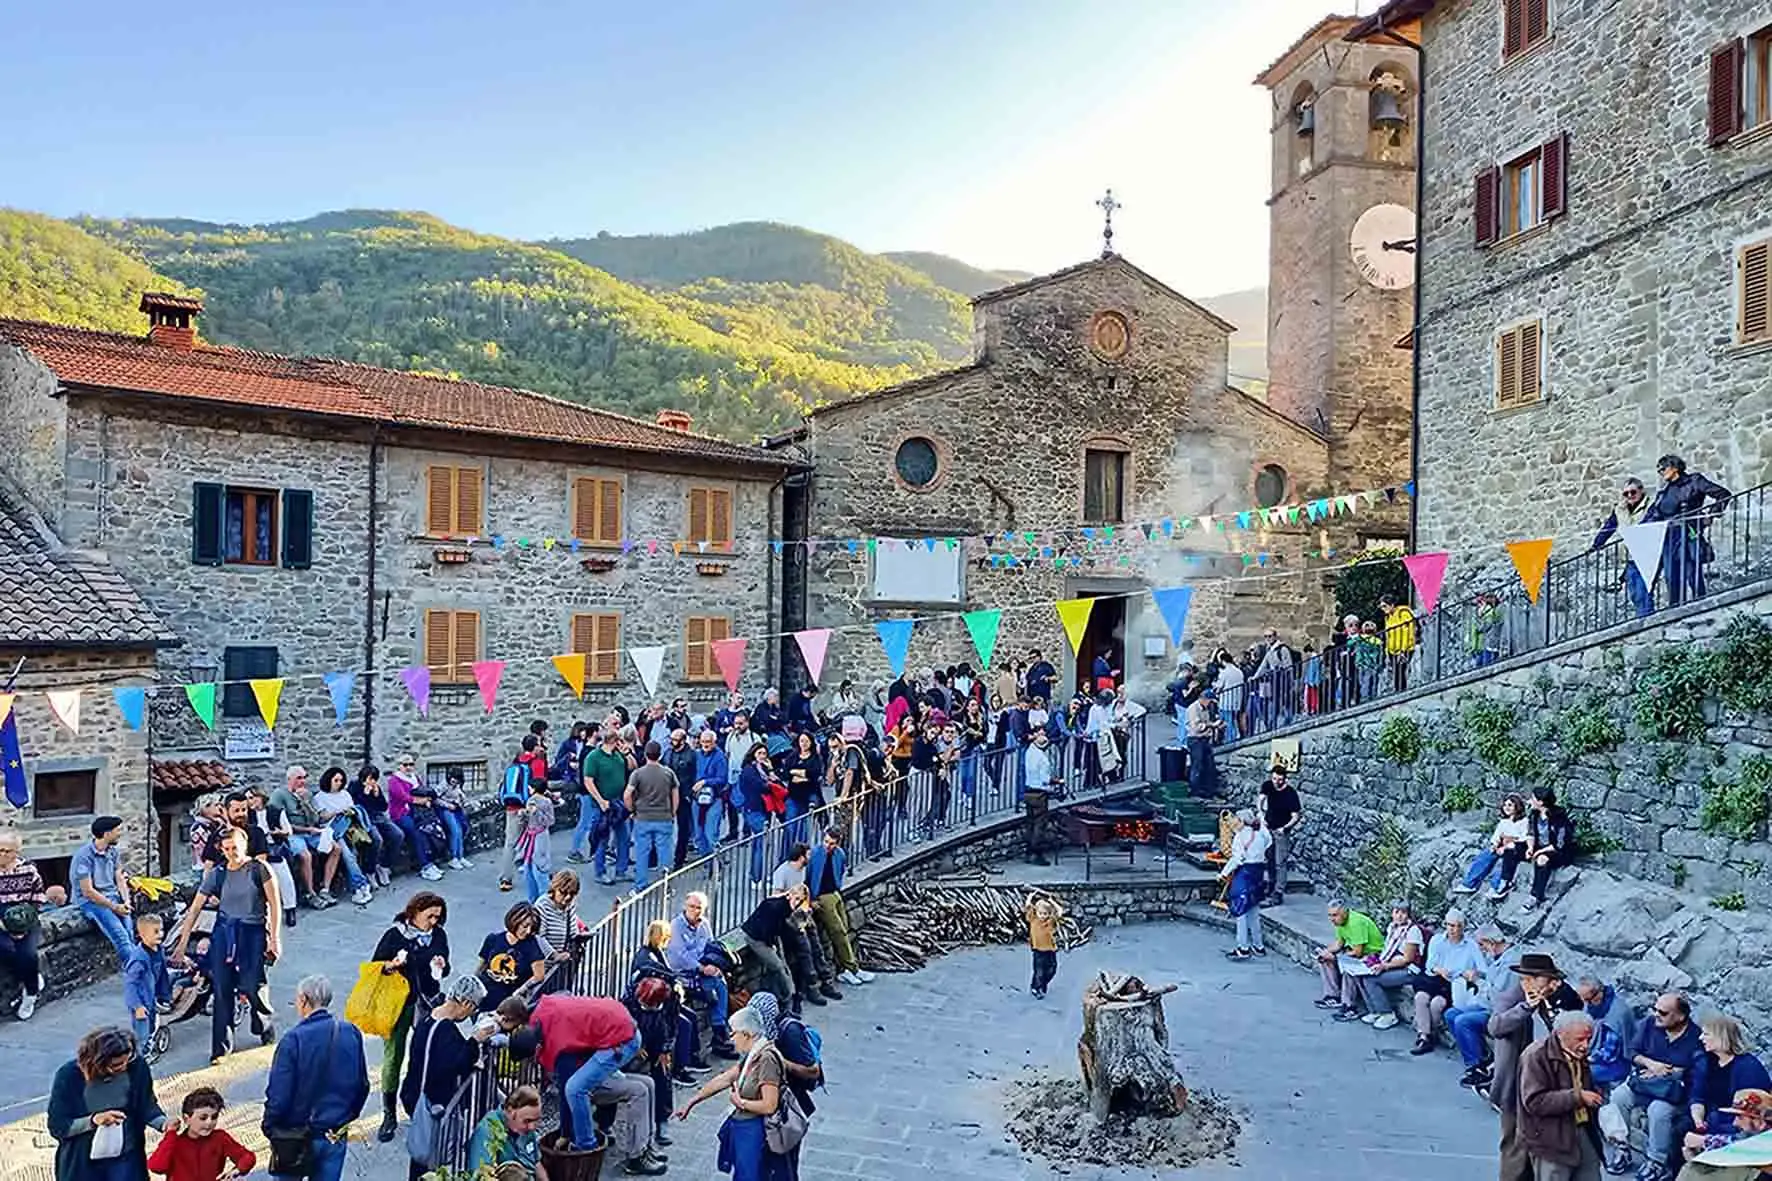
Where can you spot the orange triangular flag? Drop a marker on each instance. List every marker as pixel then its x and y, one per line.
pixel 1531 559
pixel 6 706
pixel 571 667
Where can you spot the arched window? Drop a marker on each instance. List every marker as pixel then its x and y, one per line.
pixel 917 462
pixel 1304 129
pixel 1390 109
pixel 1271 483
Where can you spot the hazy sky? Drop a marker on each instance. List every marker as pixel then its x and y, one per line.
pixel 979 128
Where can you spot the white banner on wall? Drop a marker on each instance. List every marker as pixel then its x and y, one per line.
pixel 913 573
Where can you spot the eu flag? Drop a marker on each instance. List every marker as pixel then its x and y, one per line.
pixel 12 763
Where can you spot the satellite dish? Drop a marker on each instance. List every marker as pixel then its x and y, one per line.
pixel 1382 245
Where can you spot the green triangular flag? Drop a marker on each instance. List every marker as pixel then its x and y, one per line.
pixel 873 544
pixel 982 627
pixel 202 699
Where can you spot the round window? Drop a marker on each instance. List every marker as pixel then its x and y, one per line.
pixel 1270 485
pixel 917 462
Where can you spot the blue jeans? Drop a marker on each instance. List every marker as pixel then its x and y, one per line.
pixel 614 842
pixel 111 925
pixel 969 773
pixel 709 817
pixel 587 817
pixel 329 1160
pixel 1488 860
pixel 652 836
pixel 590 1073
pixel 1202 770
pixel 713 989
pixel 415 840
pixel 348 856
pixel 1231 732
pixel 1640 597
pixel 535 881
pixel 452 824
pixel 143 1028
pixel 1467 1026
pixel 756 823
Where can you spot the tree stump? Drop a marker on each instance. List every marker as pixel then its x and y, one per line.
pixel 1124 1051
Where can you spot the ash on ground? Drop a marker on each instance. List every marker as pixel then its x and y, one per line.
pixel 1050 1118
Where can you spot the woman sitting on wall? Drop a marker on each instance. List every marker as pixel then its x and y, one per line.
pixel 1506 849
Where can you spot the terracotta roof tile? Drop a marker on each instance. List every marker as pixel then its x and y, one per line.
pixel 319 385
pixel 194 775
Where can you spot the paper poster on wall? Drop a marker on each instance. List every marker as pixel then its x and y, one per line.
pixel 248 740
pixel 906 573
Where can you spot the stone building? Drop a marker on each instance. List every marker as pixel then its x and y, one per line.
pixel 1097 398
pixel 293 518
pixel 1595 287
pixel 69 620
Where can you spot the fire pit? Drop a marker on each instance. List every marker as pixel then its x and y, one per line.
pixel 1128 825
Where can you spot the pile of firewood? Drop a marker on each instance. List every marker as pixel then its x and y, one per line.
pixel 914 922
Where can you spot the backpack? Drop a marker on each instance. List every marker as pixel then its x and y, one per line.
pixel 815 1042
pixel 515 792
pixel 1606 1056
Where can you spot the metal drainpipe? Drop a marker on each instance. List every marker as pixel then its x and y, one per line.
pixel 1420 212
pixel 370 541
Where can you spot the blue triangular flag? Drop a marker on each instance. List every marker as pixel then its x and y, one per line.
pixel 895 638
pixel 338 686
pixel 777 546
pixel 1173 603
pixel 132 704
pixel 929 544
pixel 498 541
pixel 1089 533
pixel 1242 520
pixel 1168 528
pixel 852 545
pixel 12 763
pixel 1261 560
pixel 1409 487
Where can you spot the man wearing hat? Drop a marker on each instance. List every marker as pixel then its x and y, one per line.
pixel 1202 725
pixel 1540 993
pixel 1752 1109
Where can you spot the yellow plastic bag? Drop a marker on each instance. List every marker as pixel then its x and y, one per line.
pixel 376 1000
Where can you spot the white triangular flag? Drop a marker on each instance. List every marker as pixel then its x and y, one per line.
pixel 65 705
pixel 1644 545
pixel 650 662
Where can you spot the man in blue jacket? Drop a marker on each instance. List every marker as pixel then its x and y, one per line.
pixel 707 793
pixel 319 1081
pixel 824 880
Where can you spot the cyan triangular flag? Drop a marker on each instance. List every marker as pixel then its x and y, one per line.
pixel 338 687
pixel 133 705
pixel 895 638
pixel 1173 603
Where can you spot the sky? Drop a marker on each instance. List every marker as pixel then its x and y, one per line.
pixel 982 129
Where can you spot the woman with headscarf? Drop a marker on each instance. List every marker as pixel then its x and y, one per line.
pixel 446 1044
pixel 753 1087
pixel 107 1085
pixel 792 1037
pixel 416 947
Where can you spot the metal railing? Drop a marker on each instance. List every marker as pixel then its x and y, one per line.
pixel 911 807
pixel 1717 550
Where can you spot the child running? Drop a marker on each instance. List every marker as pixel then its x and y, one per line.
pixel 194 1149
pixel 1043 915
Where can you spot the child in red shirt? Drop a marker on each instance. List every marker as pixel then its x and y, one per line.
pixel 194 1149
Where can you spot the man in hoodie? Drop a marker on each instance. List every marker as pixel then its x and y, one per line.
pixel 1633 504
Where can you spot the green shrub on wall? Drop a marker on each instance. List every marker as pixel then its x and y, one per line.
pixel 1461 797
pixel 1738 807
pixel 1736 670
pixel 1588 728
pixel 1360 584
pixel 1489 728
pixel 1379 874
pixel 1399 739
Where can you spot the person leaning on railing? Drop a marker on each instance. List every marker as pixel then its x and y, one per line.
pixel 442 1055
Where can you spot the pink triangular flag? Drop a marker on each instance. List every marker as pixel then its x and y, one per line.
pixel 417 680
pixel 1428 573
pixel 487 674
pixel 729 655
pixel 813 642
pixel 652 545
pixel 65 705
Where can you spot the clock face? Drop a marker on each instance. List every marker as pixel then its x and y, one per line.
pixel 1109 335
pixel 1382 245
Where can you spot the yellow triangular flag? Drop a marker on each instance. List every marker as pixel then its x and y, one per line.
pixel 571 667
pixel 1074 614
pixel 65 705
pixel 6 706
pixel 268 693
pixel 1531 558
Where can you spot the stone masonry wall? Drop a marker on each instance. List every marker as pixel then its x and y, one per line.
pixel 1636 284
pixel 1011 433
pixel 31 448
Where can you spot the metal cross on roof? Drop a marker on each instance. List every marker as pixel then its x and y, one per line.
pixel 1107 205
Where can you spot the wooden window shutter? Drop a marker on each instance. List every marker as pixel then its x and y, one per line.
pixel 720 527
pixel 584 510
pixel 1507 368
pixel 719 628
pixel 439 642
pixel 1513 27
pixel 298 528
pixel 1726 63
pixel 605 660
pixel 1537 22
pixel 609 512
pixel 695 649
pixel 1755 264
pixel 465 645
pixel 467 501
pixel 1554 175
pixel 1486 206
pixel 698 514
pixel 1531 338
pixel 584 633
pixel 439 501
pixel 208 511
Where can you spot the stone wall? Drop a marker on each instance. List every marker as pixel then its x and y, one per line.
pixel 1636 284
pixel 1010 433
pixel 31 447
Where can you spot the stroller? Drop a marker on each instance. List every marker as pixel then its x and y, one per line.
pixel 192 990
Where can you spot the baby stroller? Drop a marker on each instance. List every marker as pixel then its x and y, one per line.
pixel 192 989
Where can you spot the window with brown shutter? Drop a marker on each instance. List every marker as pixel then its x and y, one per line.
pixel 710 516
pixel 1753 284
pixel 1519 365
pixel 1524 25
pixel 1756 76
pixel 598 636
pixel 596 510
pixel 698 659
pixel 1554 178
pixel 452 644
pixel 453 498
pixel 1486 206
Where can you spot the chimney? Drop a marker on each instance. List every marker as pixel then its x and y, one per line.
pixel 675 420
pixel 172 319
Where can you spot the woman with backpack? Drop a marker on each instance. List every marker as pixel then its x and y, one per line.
pixel 245 939
pixel 755 1088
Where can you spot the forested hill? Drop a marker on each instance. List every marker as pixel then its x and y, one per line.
pixel 50 270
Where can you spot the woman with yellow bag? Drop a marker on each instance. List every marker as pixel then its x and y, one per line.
pixel 416 947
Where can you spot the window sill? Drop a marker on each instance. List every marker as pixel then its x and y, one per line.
pixel 1530 53
pixel 1516 239
pixel 910 604
pixel 1752 348
pixel 1510 411
pixel 1750 137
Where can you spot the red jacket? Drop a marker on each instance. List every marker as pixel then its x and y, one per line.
pixel 579 1025
pixel 199 1158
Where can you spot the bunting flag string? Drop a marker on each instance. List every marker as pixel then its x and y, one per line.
pixel 1427 572
pixel 649 663
pixel 729 656
pixel 1531 560
pixel 1074 615
pixel 268 692
pixel 983 626
pixel 132 703
pixel 895 639
pixel 1643 544
pixel 202 699
pixel 571 667
pixel 65 705
pixel 1172 604
pixel 338 687
pixel 487 674
pixel 417 679
pixel 813 642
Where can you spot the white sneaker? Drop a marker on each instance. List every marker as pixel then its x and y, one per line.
pixel 848 977
pixel 458 863
pixel 362 896
pixel 463 863
pixel 1461 888
pixel 1387 1021
pixel 382 876
pixel 866 976
pixel 1370 1018
pixel 431 873
pixel 27 1004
